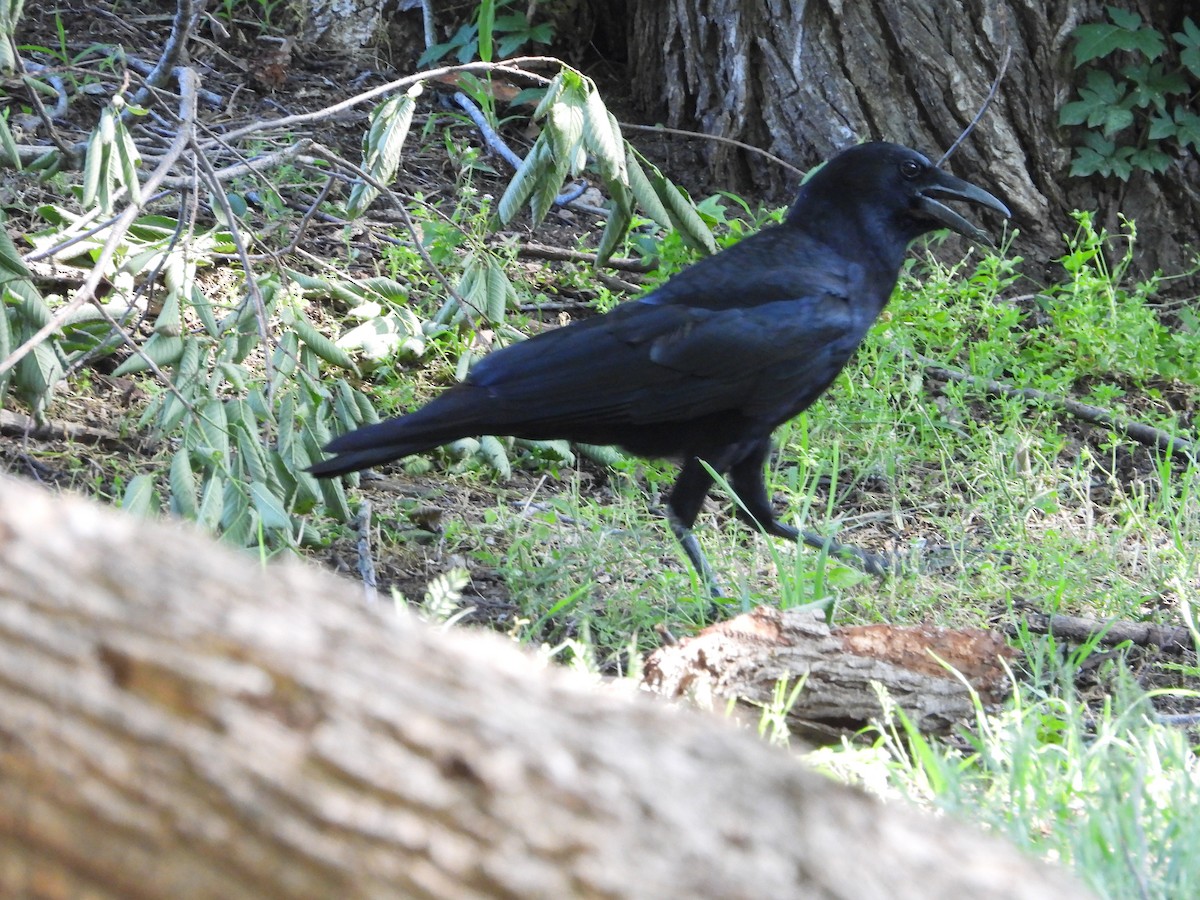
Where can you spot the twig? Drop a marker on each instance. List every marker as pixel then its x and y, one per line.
pixel 87 292
pixel 187 12
pixel 366 563
pixel 496 144
pixel 987 101
pixel 1140 432
pixel 248 166
pixel 508 67
pixel 663 129
pixel 16 425
pixel 545 251
pixel 252 288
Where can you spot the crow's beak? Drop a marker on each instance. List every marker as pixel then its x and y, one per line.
pixel 952 188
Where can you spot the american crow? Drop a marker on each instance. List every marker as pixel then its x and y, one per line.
pixel 707 365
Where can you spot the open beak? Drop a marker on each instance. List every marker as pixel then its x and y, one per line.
pixel 952 188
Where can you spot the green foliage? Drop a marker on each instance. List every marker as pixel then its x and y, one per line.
pixel 1095 331
pixel 382 144
pixel 490 36
pixel 1138 114
pixel 576 127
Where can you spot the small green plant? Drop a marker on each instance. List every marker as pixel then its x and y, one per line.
pixel 1136 116
pixel 490 36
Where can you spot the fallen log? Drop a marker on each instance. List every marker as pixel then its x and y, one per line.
pixel 179 721
pixel 935 675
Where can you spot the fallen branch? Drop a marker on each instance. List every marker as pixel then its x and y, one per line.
pixel 14 424
pixel 1108 632
pixel 936 675
pixel 1138 431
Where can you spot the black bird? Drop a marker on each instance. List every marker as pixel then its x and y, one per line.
pixel 706 366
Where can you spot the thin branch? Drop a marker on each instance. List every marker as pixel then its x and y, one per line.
pixel 16 425
pixel 663 129
pixel 560 254
pixel 1108 631
pixel 508 67
pixel 366 563
pixel 187 12
pixel 252 288
pixel 1140 432
pixel 987 101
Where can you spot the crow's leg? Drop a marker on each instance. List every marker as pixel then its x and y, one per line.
pixel 747 480
pixel 683 506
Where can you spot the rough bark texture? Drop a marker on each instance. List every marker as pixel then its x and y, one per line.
pixel 804 78
pixel 934 674
pixel 341 26
pixel 176 721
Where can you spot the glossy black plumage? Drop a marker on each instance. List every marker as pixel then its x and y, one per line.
pixel 710 363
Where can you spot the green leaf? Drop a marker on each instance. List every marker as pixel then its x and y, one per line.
pixel 382 147
pixel 237 522
pixel 525 180
pixel 620 215
pixel 182 481
pixel 565 124
pixel 549 187
pixel 1189 42
pixel 553 91
pixel 162 349
pixel 208 516
pixel 1150 159
pixel 602 137
pixel 8 143
pixel 269 508
pixel 140 497
pixel 1161 128
pixel 643 190
pixel 1153 83
pixel 497 290
pixel 493 452
pixel 1096 41
pixel 1187 129
pixel 321 345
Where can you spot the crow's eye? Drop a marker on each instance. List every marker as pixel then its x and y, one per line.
pixel 910 168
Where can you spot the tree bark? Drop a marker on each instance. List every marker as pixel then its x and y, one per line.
pixel 804 78
pixel 178 721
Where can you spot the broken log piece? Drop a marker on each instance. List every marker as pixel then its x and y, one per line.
pixel 178 721
pixel 746 657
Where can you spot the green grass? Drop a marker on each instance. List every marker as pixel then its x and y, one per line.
pixel 1104 790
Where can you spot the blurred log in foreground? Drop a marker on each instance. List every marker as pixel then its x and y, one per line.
pixel 176 721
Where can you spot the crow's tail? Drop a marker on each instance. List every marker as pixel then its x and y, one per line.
pixel 455 414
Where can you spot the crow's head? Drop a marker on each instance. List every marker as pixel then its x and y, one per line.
pixel 896 187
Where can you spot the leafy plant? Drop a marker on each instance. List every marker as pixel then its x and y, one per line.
pixel 490 36
pixel 1136 115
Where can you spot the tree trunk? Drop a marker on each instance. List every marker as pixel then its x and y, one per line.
pixel 804 79
pixel 177 721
